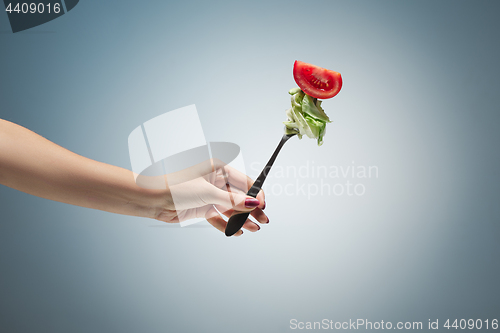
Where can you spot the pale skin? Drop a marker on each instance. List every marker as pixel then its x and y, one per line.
pixel 35 165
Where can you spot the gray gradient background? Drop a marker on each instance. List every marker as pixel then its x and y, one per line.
pixel 420 100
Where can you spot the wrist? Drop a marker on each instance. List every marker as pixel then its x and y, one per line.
pixel 148 202
pixel 118 192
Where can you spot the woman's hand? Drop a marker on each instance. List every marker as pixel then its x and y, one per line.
pixel 208 190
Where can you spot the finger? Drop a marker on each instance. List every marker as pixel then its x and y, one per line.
pixel 237 181
pixel 260 195
pixel 257 214
pixel 237 178
pixel 190 173
pixel 218 222
pixel 233 199
pixel 244 183
pixel 260 216
pixel 249 224
pixel 262 199
pixel 199 170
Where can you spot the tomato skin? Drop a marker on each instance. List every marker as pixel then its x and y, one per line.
pixel 315 81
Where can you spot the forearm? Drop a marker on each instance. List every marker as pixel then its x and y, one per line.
pixel 32 164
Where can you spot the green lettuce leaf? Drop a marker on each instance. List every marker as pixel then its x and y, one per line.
pixel 309 106
pixel 306 116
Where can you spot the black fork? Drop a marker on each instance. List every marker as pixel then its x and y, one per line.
pixel 237 220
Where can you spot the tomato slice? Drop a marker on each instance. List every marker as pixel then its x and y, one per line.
pixel 316 81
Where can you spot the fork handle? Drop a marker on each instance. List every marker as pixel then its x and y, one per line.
pixel 237 220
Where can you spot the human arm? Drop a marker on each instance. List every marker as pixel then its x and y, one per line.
pixel 35 165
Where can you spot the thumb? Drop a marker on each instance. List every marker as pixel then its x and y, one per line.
pixel 236 201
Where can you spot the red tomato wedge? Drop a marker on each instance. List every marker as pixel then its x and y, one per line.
pixel 315 81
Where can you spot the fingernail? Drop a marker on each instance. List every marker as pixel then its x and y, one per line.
pixel 251 203
pixel 267 220
pixel 264 206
